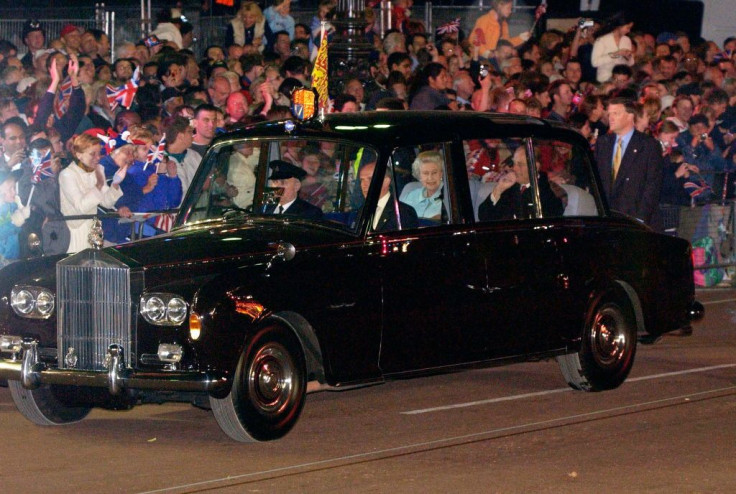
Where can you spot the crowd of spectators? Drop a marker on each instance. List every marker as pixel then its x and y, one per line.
pixel 56 101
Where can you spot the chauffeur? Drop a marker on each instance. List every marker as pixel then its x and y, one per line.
pixel 288 177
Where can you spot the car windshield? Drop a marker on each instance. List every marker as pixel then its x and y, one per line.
pixel 295 177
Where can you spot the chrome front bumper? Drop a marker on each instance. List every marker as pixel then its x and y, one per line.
pixel 32 373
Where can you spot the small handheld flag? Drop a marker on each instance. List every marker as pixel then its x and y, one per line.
pixel 125 94
pixel 155 155
pixel 696 186
pixel 450 27
pixel 41 167
pixel 61 101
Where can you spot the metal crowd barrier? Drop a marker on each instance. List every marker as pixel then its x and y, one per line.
pixel 124 23
pixel 709 227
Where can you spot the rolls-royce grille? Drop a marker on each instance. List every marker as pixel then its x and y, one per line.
pixel 94 303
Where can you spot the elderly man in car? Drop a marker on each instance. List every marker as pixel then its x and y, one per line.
pixel 512 196
pixel 288 178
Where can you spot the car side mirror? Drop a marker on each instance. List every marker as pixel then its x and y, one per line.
pixel 284 251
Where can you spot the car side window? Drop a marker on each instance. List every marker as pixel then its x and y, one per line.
pixel 308 179
pixel 507 175
pixel 230 181
pixel 567 169
pixel 323 173
pixel 388 214
pixel 421 181
pixel 490 168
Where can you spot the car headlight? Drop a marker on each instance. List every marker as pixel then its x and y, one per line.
pixel 45 303
pixel 163 309
pixel 33 302
pixel 176 310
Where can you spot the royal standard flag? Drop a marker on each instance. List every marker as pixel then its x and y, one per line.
pixel 319 72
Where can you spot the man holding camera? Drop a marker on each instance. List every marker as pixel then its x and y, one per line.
pixel 699 149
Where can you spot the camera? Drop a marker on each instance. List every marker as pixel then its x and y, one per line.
pixel 585 23
pixel 577 98
pixel 703 137
pixel 483 72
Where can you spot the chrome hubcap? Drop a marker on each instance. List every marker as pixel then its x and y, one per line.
pixel 608 339
pixel 270 379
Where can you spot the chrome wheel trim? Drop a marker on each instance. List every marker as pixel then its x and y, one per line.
pixel 609 340
pixel 271 386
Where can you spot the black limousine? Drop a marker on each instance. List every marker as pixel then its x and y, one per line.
pixel 348 251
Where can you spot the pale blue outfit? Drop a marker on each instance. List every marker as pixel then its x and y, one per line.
pixel 278 22
pixel 426 207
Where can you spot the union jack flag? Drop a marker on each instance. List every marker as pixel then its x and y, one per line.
pixel 61 101
pixel 123 95
pixel 42 167
pixel 449 27
pixel 696 187
pixel 155 155
pixel 164 222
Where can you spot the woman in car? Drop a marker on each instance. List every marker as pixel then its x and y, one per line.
pixel 428 168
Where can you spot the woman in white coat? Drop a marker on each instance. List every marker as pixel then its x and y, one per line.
pixel 612 47
pixel 247 28
pixel 82 188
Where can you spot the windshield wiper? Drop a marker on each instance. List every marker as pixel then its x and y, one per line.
pixel 235 212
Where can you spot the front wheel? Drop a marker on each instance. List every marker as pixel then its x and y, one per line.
pixel 607 350
pixel 268 390
pixel 48 405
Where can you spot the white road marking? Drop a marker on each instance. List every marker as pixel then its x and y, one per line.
pixel 725 300
pixel 341 460
pixel 557 390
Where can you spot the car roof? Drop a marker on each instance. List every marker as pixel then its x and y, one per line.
pixel 397 128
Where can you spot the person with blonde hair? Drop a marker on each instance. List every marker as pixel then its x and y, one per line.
pixel 247 28
pixel 82 187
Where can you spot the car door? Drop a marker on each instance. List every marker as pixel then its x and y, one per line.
pixel 432 278
pixel 521 252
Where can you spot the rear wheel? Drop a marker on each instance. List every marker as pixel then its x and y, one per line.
pixel 48 405
pixel 607 350
pixel 268 390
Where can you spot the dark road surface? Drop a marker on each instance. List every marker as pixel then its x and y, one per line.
pixel 670 428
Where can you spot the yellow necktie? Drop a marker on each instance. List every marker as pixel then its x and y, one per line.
pixel 617 159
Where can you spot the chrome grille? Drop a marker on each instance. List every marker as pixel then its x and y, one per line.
pixel 94 303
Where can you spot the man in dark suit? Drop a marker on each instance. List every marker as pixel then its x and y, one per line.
pixel 288 177
pixel 630 165
pixel 384 217
pixel 512 196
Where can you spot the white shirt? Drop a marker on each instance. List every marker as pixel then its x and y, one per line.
pixel 240 174
pixel 601 57
pixel 284 207
pixel 379 209
pixel 186 168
